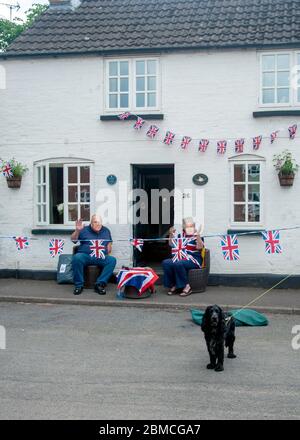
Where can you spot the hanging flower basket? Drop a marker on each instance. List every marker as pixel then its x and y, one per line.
pixel 287 167
pixel 14 182
pixel 13 171
pixel 286 179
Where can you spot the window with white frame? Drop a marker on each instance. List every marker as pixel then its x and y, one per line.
pixel 246 193
pixel 132 84
pixel 63 192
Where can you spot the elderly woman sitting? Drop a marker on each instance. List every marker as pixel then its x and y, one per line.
pixel 176 273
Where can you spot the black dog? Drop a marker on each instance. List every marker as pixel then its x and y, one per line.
pixel 218 329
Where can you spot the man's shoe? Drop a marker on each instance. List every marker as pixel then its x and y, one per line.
pixel 78 290
pixel 100 289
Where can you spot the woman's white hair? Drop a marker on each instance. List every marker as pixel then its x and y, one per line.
pixel 188 220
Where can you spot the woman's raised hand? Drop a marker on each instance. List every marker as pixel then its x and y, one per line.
pixel 172 231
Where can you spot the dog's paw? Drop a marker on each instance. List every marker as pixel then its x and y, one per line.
pixel 210 366
pixel 219 368
pixel 231 356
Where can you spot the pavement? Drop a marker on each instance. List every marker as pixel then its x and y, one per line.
pixel 285 301
pixel 105 363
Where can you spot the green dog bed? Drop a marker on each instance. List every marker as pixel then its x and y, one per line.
pixel 244 317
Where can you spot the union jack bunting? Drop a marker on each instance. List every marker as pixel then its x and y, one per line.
pixel 293 131
pixel 273 136
pixel 152 132
pixel 169 138
pixel 256 142
pixel 179 249
pixel 272 241
pixel 239 145
pixel 56 247
pixel 203 144
pixel 137 243
pixel 97 249
pixel 230 247
pixel 139 123
pixel 21 243
pixel 7 170
pixel 186 140
pixel 124 115
pixel 222 145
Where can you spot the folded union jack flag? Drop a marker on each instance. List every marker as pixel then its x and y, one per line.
pixel 203 144
pixel 97 249
pixel 256 142
pixel 186 140
pixel 293 131
pixel 139 277
pixel 169 138
pixel 56 247
pixel 139 123
pixel 230 247
pixel 21 243
pixel 272 241
pixel 222 145
pixel 152 132
pixel 7 170
pixel 239 145
pixel 124 115
pixel 273 136
pixel 137 243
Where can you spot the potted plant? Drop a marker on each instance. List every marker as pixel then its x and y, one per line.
pixel 286 167
pixel 13 171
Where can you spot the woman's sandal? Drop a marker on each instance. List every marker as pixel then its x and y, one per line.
pixel 173 291
pixel 186 293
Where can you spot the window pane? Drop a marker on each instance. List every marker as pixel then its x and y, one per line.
pixel 253 213
pixel 85 212
pixel 44 213
pixel 44 193
pixel 39 213
pixel 283 95
pixel 113 68
pixel 239 173
pixel 124 68
pixel 253 173
pixel 269 79
pixel 39 175
pixel 72 213
pixel 283 79
pixel 113 84
pixel 43 174
pixel 269 96
pixel 140 84
pixel 72 194
pixel 283 61
pixel 254 193
pixel 239 193
pixel 140 67
pixel 113 101
pixel 124 100
pixel 85 194
pixel 151 99
pixel 151 67
pixel 140 100
pixel 151 83
pixel 85 174
pixel 124 87
pixel 72 174
pixel 39 194
pixel 268 62
pixel 239 213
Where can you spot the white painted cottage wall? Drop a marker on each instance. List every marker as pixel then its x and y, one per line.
pixel 51 107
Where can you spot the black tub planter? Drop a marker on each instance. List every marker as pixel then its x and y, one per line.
pixel 14 182
pixel 286 179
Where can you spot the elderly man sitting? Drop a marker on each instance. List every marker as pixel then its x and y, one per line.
pixel 82 258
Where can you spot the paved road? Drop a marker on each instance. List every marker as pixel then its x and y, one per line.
pixel 92 362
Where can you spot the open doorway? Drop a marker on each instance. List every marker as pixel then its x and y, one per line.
pixel 158 212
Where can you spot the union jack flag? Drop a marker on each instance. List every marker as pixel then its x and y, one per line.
pixel 21 243
pixel 56 247
pixel 137 243
pixel 179 249
pixel 139 123
pixel 152 132
pixel 230 247
pixel 203 144
pixel 239 145
pixel 222 145
pixel 256 142
pixel 124 115
pixel 169 138
pixel 186 140
pixel 7 170
pixel 273 136
pixel 97 249
pixel 293 131
pixel 138 277
pixel 272 241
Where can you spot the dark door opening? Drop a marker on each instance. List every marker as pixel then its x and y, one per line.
pixel 158 211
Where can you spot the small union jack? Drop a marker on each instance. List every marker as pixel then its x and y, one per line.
pixel 152 132
pixel 21 243
pixel 179 249
pixel 203 144
pixel 124 115
pixel 97 249
pixel 186 140
pixel 272 241
pixel 56 247
pixel 7 170
pixel 222 145
pixel 137 243
pixel 239 145
pixel 169 138
pixel 230 247
pixel 139 123
pixel 273 136
pixel 293 131
pixel 256 142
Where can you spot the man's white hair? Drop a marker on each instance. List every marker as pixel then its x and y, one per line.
pixel 98 217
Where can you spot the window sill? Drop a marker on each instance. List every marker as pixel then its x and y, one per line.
pixel 253 232
pixel 60 231
pixel 274 113
pixel 148 116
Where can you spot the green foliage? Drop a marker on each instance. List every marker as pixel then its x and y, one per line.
pixel 18 168
pixel 285 164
